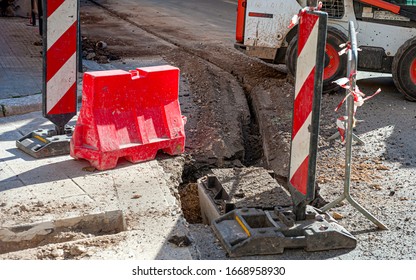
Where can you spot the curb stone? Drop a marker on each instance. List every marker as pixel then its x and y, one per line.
pixel 21 105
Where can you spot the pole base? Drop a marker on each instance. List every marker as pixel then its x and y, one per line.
pixel 43 143
pixel 252 231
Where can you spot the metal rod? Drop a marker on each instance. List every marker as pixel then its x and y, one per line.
pixel 357 139
pixel 352 70
pixel 60 129
pixel 334 203
pixel 367 214
pixel 79 42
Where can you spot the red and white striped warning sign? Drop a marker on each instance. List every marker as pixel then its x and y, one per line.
pixel 61 57
pixel 308 87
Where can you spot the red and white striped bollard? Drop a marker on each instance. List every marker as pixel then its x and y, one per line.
pixel 60 59
pixel 306 109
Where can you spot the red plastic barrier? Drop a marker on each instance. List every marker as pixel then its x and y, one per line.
pixel 129 114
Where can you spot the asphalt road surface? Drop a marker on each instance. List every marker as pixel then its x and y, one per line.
pixel 214 15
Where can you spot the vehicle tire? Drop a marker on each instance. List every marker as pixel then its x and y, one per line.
pixel 404 69
pixel 335 65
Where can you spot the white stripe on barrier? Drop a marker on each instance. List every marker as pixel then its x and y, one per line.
pixel 300 146
pixel 61 82
pixel 61 20
pixel 307 59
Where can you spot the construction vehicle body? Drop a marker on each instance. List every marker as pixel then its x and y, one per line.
pixel 386 36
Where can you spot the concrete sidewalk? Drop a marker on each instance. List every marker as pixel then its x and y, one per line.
pixel 52 190
pixel 60 203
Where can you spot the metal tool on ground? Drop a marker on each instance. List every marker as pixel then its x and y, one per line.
pixel 352 68
pixel 60 56
pixel 251 231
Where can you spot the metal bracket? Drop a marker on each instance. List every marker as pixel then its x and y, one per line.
pixel 252 231
pixel 46 143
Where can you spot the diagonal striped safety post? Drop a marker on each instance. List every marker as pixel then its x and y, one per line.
pixel 60 32
pixel 306 109
pixel 60 61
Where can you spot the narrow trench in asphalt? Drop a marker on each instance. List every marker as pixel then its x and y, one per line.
pixel 253 148
pixel 253 153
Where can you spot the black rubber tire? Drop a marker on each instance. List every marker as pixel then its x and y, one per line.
pixel 334 39
pixel 404 59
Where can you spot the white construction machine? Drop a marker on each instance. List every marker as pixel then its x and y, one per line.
pixel 386 36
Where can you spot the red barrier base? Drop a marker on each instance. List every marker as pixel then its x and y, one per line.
pixel 128 114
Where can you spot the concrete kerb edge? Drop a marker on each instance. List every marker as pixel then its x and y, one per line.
pixel 23 105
